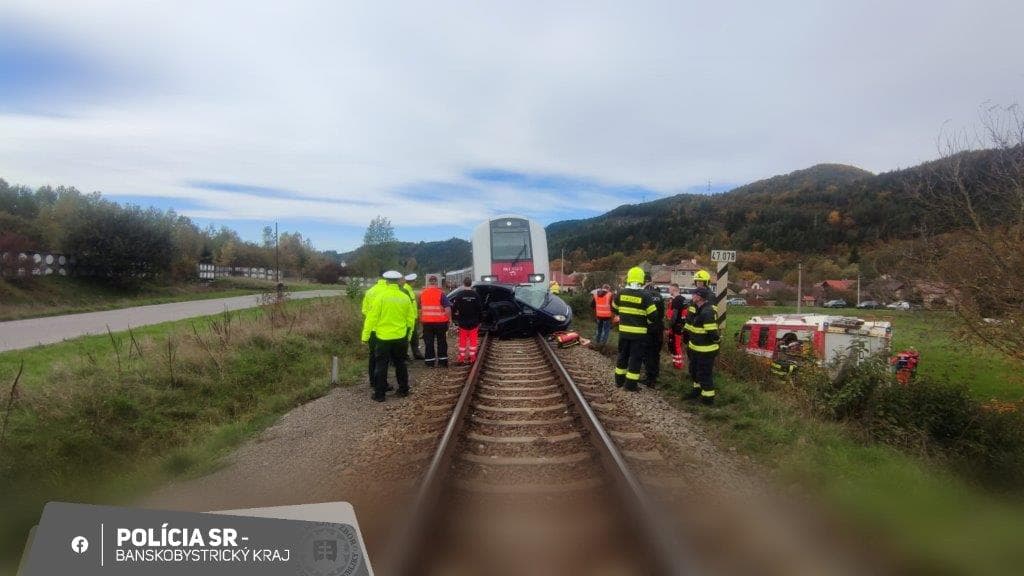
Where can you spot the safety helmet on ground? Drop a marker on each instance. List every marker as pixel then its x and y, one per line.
pixel 635 275
pixel 702 276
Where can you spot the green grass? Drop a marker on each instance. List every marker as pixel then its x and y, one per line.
pixel 988 374
pixel 83 429
pixel 37 298
pixel 915 509
pixel 933 520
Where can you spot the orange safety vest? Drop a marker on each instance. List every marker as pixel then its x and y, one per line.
pixel 431 310
pixel 603 308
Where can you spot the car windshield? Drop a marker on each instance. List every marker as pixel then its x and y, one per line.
pixel 533 295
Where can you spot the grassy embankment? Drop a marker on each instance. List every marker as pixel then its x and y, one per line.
pixel 39 297
pixel 914 505
pixel 102 420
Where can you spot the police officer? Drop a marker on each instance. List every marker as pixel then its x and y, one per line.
pixel 655 335
pixel 414 338
pixel 636 310
pixel 368 299
pixel 391 316
pixel 700 332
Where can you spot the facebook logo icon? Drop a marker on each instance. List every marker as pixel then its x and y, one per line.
pixel 79 544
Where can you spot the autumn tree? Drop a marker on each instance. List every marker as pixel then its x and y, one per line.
pixel 971 240
pixel 379 250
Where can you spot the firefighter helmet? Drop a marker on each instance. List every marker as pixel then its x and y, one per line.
pixel 635 275
pixel 702 276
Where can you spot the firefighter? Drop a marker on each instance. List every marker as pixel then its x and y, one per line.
pixel 700 332
pixel 601 303
pixel 636 311
pixel 554 288
pixel 435 311
pixel 391 316
pixel 675 312
pixel 701 278
pixel 655 335
pixel 368 299
pixel 467 312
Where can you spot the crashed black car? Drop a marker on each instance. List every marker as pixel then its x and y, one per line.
pixel 512 311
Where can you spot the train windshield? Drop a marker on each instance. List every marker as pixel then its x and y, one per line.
pixel 533 295
pixel 510 240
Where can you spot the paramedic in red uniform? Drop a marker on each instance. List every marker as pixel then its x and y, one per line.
pixel 467 311
pixel 675 312
pixel 435 311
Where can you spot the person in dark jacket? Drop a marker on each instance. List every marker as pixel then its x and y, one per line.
pixel 700 331
pixel 674 315
pixel 636 310
pixel 655 336
pixel 467 312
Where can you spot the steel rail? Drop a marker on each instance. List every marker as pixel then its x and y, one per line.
pixel 409 545
pixel 671 558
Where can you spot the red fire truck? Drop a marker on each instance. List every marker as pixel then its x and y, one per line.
pixel 792 339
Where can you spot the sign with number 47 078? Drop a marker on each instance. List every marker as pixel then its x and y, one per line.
pixel 723 255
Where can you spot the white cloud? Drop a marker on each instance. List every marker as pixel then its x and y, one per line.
pixel 357 100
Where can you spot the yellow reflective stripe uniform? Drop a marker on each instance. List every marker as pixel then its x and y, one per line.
pixel 391 315
pixel 702 327
pixel 372 293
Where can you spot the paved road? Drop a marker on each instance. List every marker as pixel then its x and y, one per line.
pixel 18 334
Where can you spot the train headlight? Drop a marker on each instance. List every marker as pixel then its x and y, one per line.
pixel 489 278
pixel 560 317
pixel 536 277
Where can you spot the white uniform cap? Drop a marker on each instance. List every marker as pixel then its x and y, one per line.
pixel 392 275
pixel 411 277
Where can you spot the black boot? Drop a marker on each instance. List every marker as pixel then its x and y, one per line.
pixel 707 400
pixel 693 394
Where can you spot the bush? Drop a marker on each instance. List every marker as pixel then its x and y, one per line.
pixel 944 421
pixel 928 417
pixel 353 290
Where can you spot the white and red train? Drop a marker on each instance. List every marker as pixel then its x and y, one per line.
pixel 507 250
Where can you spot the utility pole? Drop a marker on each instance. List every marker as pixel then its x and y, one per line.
pixel 562 263
pixel 709 185
pixel 858 289
pixel 277 254
pixel 799 286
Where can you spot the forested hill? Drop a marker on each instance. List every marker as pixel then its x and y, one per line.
pixel 811 211
pixel 437 256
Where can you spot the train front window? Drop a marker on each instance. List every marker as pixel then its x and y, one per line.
pixel 510 240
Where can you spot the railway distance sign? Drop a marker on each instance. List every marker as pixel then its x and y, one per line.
pixel 723 255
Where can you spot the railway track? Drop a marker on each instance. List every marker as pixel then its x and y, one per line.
pixel 526 480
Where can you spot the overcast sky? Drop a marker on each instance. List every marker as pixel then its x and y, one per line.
pixel 323 114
